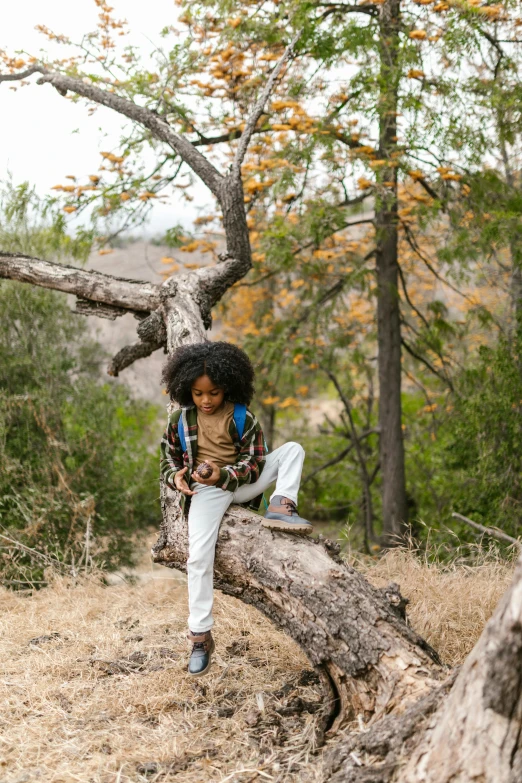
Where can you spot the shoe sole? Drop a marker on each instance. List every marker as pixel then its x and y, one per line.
pixel 209 664
pixel 277 524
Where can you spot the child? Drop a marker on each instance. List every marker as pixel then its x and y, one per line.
pixel 213 383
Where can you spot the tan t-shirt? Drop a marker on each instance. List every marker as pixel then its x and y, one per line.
pixel 214 440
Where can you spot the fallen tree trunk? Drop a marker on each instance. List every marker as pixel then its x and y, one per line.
pixel 420 724
pixel 374 662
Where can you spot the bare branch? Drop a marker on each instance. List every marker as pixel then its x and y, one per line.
pixel 95 286
pixel 101 310
pixel 159 128
pixel 365 478
pixel 16 77
pixel 256 282
pixel 427 364
pixel 407 297
pixel 489 531
pixel 203 141
pixel 427 187
pixel 348 9
pixel 34 552
pixel 333 461
pixel 260 105
pixel 410 238
pixel 350 202
pixel 130 354
pixel 339 456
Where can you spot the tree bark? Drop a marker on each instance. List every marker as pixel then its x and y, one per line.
pixel 421 723
pixel 374 661
pixel 476 734
pixel 388 313
pixel 93 286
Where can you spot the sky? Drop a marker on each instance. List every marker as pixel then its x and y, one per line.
pixel 44 137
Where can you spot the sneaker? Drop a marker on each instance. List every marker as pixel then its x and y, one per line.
pixel 201 654
pixel 282 514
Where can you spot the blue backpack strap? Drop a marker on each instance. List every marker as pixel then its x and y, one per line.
pixel 181 433
pixel 240 418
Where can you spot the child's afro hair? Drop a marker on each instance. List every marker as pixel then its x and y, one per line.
pixel 225 364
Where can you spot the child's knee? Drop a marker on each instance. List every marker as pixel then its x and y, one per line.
pixel 295 448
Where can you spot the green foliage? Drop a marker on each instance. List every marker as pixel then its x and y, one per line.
pixel 32 225
pixel 482 442
pixel 465 453
pixel 175 236
pixel 76 454
pixel 71 448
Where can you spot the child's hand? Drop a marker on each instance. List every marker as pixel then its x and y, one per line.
pixel 213 478
pixel 181 483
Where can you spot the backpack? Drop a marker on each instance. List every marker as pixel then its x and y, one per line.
pixel 239 419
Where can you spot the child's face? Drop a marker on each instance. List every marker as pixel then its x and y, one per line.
pixel 206 395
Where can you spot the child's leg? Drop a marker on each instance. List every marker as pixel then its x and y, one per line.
pixel 284 466
pixel 207 508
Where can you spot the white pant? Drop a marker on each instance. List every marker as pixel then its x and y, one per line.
pixel 207 508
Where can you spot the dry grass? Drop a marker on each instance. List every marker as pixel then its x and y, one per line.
pixel 449 605
pixel 104 697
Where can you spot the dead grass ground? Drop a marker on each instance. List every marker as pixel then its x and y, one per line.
pixel 449 604
pixel 94 687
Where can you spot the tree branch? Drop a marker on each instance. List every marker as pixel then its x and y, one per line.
pixel 489 531
pixel 99 309
pixel 130 354
pixel 348 9
pixel 16 77
pixel 333 461
pixel 260 105
pixel 414 246
pixel 159 128
pixel 203 141
pixel 427 187
pixel 95 286
pixel 339 457
pixel 407 296
pixel 426 363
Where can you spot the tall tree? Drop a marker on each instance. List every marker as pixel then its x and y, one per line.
pixel 372 665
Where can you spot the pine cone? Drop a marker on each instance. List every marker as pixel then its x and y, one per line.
pixel 204 470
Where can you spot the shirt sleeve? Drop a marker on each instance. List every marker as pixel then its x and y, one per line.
pixel 171 451
pixel 250 461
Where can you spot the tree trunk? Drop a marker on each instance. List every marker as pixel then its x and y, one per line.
pixel 388 315
pixel 352 632
pixel 420 725
pixel 476 734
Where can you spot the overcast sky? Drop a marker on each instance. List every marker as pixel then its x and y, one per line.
pixel 38 138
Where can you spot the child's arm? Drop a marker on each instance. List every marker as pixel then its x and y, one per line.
pixel 250 460
pixel 171 451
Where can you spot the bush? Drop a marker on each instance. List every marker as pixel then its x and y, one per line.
pixel 74 452
pixel 78 457
pixel 483 439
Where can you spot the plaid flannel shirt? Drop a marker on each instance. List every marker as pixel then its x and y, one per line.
pixel 250 453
